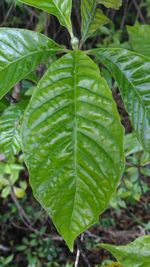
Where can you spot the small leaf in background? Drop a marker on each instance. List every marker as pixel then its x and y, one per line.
pixel 22 48
pixel 60 9
pixel 19 192
pixel 145 159
pixel 139 38
pixel 132 73
pixel 3 182
pixel 131 144
pixel 40 26
pixel 30 91
pixel 115 4
pixel 23 185
pixel 73 144
pixel 92 18
pixel 99 20
pixel 145 171
pixel 5 192
pixel 136 254
pixel 8 259
pixel 10 142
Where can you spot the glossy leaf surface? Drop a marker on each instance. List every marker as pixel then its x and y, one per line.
pixel 136 254
pixel 20 52
pixel 73 144
pixel 132 73
pixel 60 9
pixel 139 38
pixel 92 18
pixel 111 3
pixel 10 143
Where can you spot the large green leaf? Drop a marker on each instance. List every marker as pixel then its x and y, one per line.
pixel 111 3
pixel 73 144
pixel 136 254
pixel 92 18
pixel 139 38
pixel 20 52
pixel 132 73
pixel 60 8
pixel 10 143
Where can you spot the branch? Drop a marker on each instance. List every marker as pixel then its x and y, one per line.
pixel 82 251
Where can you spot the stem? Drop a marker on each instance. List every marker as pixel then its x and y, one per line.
pixel 139 14
pixel 82 251
pixel 78 253
pixel 77 258
pixel 124 15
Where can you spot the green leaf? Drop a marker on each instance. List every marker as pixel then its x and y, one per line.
pixel 20 52
pixel 111 3
pixel 19 192
pixel 5 192
pixel 131 144
pixel 3 104
pixel 73 144
pixel 3 182
pixel 8 259
pixel 132 73
pixel 60 9
pixel 136 254
pixel 92 18
pixel 145 159
pixel 10 130
pixel 139 38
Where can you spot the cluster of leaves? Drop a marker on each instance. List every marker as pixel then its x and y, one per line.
pixel 39 250
pixel 9 175
pixel 5 261
pixel 132 187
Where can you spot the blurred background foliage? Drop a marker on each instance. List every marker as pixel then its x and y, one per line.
pixel 27 235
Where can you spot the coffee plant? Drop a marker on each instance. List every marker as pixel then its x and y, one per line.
pixel 70 131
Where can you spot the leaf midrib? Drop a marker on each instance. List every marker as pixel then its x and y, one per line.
pixel 74 134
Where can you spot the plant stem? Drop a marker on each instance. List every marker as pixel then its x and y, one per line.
pixel 82 252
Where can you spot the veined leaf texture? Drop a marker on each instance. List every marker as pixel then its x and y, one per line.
pixel 92 18
pixel 20 52
pixel 73 144
pixel 135 254
pixel 132 73
pixel 60 8
pixel 10 124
